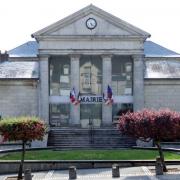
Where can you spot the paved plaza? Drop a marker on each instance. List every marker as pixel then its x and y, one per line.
pixel 132 173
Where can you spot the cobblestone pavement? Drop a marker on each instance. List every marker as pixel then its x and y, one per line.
pixel 132 173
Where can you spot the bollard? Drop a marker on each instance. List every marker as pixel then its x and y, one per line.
pixel 72 172
pixel 115 171
pixel 27 174
pixel 159 168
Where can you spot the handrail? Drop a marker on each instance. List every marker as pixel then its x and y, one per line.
pixel 91 130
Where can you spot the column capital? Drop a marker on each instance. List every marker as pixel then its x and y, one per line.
pixel 74 56
pixel 138 57
pixel 43 57
pixel 106 56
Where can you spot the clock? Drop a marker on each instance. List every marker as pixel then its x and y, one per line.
pixel 91 23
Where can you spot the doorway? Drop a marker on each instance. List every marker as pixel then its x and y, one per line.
pixel 91 114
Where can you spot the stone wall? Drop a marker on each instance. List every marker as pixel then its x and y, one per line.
pixel 18 97
pixel 161 93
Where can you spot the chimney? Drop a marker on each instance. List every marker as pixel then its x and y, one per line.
pixel 4 56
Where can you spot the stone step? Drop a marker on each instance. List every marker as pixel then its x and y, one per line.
pixel 89 147
pixel 85 132
pixel 71 138
pixel 95 142
pixel 86 138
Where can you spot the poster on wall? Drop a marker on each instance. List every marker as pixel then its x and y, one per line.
pixel 64 79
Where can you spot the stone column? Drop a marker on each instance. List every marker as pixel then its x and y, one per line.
pixel 107 72
pixel 138 82
pixel 44 88
pixel 75 110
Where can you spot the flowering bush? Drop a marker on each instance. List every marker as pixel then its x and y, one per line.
pixel 24 129
pixel 151 124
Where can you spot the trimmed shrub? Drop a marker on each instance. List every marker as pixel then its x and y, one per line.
pixel 151 124
pixel 22 129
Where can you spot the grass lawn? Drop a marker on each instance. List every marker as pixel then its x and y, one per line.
pixel 130 154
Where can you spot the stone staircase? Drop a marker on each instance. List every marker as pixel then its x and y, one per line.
pixel 77 138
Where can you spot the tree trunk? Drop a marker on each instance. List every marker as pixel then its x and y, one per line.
pixel 22 161
pixel 161 156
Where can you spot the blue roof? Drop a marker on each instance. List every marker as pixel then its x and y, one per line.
pixel 28 49
pixel 151 49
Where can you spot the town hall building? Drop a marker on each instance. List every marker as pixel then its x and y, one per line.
pixel 88 51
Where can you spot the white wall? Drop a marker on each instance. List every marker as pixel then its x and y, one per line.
pixel 18 98
pixel 162 93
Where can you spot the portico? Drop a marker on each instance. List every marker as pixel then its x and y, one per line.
pixel 90 50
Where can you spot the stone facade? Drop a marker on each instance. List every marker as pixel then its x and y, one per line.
pixel 75 111
pixel 111 37
pixel 18 98
pixel 162 93
pixel 37 76
pixel 44 89
pixel 138 82
pixel 107 71
pixel 71 37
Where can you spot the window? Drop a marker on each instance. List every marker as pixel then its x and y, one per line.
pixel 59 114
pixel 91 75
pixel 119 109
pixel 59 72
pixel 91 111
pixel 122 75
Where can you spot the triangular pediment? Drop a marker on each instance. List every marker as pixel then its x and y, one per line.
pixel 107 25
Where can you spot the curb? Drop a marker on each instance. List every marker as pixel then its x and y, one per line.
pixel 155 148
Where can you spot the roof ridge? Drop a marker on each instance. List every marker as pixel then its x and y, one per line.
pixel 22 44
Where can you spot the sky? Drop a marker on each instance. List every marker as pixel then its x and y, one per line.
pixel 20 18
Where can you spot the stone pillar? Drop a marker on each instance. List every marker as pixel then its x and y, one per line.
pixel 44 88
pixel 158 166
pixel 115 171
pixel 138 82
pixel 72 172
pixel 107 72
pixel 27 174
pixel 75 110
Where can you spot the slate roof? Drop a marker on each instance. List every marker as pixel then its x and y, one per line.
pixel 157 69
pixel 154 68
pixel 151 49
pixel 28 49
pixel 19 70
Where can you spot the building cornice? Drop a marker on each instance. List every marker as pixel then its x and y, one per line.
pixel 162 58
pixel 46 52
pixel 91 37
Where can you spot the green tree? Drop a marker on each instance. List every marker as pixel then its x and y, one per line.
pixel 22 129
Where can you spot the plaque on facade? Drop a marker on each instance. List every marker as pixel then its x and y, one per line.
pixel 91 99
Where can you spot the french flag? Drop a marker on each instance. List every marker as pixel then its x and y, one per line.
pixel 73 97
pixel 109 99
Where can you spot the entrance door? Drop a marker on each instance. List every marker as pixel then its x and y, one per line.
pixel 91 113
pixel 91 85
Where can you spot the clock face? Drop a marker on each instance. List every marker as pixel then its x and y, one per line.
pixel 91 23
